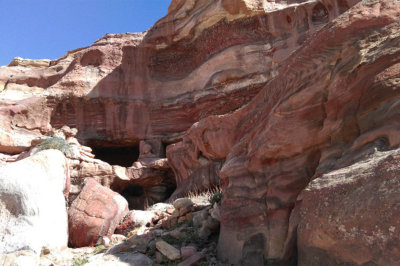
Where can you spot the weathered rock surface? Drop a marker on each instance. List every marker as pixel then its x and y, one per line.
pixel 329 99
pixel 351 215
pixel 261 97
pixel 131 87
pixel 32 206
pixel 96 212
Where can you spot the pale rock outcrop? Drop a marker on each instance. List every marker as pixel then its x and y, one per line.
pixel 18 61
pixel 32 205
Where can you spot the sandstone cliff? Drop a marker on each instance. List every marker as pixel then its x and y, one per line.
pixel 265 98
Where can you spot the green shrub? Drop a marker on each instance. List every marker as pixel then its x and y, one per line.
pixel 216 198
pixel 55 143
pixel 79 261
pixel 99 249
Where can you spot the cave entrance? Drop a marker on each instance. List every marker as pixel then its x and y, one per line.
pixel 122 156
pixel 135 196
pixel 140 198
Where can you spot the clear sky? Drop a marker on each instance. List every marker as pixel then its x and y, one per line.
pixel 47 29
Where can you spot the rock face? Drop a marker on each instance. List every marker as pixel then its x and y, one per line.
pixel 258 97
pixel 130 87
pixel 95 213
pixel 331 98
pixel 350 215
pixel 32 206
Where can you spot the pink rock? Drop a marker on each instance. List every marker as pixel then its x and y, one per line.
pixel 96 212
pixel 127 224
pixel 351 215
pixel 192 260
pixel 187 251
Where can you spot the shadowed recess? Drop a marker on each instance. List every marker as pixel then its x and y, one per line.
pixel 122 156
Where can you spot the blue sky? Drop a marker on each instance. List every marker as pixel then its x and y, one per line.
pixel 47 29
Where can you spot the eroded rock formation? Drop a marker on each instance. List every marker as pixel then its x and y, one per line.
pixel 332 97
pixel 203 58
pixel 267 99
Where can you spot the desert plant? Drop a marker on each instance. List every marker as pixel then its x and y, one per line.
pixel 216 197
pixel 56 143
pixel 99 249
pixel 79 261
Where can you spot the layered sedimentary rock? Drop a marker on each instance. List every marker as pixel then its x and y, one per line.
pixel 350 215
pixel 259 97
pixel 330 98
pixel 203 58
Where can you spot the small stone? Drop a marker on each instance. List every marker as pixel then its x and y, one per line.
pixel 105 241
pixel 170 211
pixel 182 203
pixel 192 260
pixel 215 213
pixel 183 211
pixel 167 250
pixel 166 223
pixel 199 217
pixel 116 238
pixel 119 248
pixel 141 248
pixel 175 214
pixel 45 251
pixel 187 251
pixel 178 233
pixel 140 239
pixel 159 257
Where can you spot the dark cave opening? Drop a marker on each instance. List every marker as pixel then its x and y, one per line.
pixel 139 198
pixel 122 156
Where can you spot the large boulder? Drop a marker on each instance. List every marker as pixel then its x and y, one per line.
pixel 96 212
pixel 351 216
pixel 32 205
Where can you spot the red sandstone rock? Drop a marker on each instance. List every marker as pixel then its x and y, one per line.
pixel 96 212
pixel 329 99
pixel 351 215
pixel 320 94
pixel 192 260
pixel 169 77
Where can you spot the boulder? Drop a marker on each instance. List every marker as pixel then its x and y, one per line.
pixel 33 211
pixel 352 215
pixel 96 212
pixel 167 250
pixel 192 260
pixel 182 203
